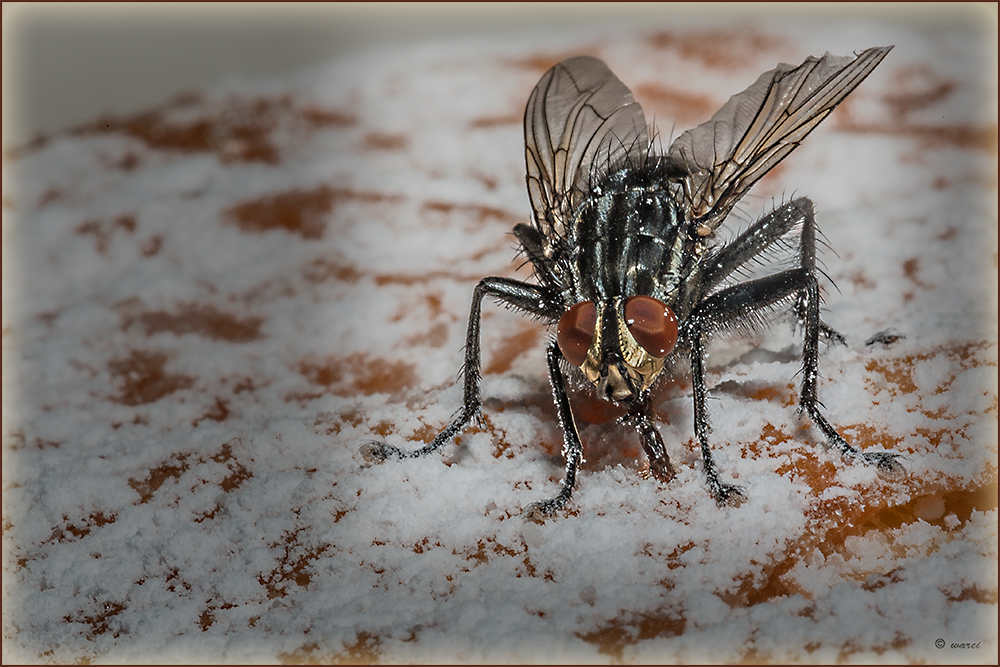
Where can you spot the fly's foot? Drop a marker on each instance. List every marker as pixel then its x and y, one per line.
pixel 887 463
pixel 831 334
pixel 544 509
pixel 541 510
pixel 729 495
pixel 800 310
pixel 375 452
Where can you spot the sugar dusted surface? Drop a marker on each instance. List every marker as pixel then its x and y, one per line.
pixel 209 307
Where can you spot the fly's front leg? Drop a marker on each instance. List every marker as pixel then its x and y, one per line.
pixel 572 447
pixel 725 494
pixel 652 443
pixel 523 296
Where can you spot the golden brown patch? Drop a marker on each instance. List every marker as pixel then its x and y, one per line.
pixel 758 588
pixel 486 122
pixel 916 87
pixel 236 129
pixel 239 473
pixel 723 49
pixel 481 214
pixel 982 138
pixel 301 212
pixel 172 469
pixel 356 373
pixel 513 347
pixel 76 531
pixel 612 638
pixel 50 196
pixel 100 622
pixel 142 378
pixel 898 372
pixel 322 269
pixel 364 651
pixel 589 408
pixel 861 280
pixel 47 318
pixel 436 336
pixel 862 518
pixel 293 567
pixel 152 246
pixel 489 182
pixel 819 473
pixel 180 463
pixel 319 117
pixel 785 395
pixel 325 268
pixel 128 162
pixel 103 230
pixel 434 305
pixel 542 62
pixel 382 279
pixel 869 437
pixel 246 384
pixel 199 319
pixel 218 412
pixel 911 269
pixel 385 142
pixel 685 108
pixel 206 620
pixel 481 555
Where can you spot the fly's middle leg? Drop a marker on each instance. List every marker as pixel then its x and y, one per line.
pixel 725 494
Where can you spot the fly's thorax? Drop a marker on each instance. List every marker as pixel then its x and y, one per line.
pixel 620 344
pixel 629 237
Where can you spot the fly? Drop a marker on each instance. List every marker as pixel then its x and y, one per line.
pixel 625 258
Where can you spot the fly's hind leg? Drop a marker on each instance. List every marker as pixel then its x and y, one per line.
pixel 520 295
pixel 887 463
pixel 807 309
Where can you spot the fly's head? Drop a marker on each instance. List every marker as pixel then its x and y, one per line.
pixel 620 344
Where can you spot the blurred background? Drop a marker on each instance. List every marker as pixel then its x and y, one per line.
pixel 68 63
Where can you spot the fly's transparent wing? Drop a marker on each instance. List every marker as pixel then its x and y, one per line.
pixel 579 114
pixel 757 128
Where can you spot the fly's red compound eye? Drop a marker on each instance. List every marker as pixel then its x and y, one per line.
pixel 575 332
pixel 652 324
